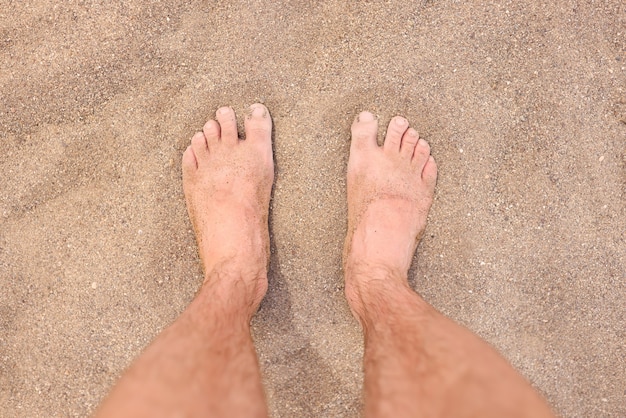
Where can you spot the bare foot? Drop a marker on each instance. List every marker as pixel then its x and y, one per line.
pixel 390 190
pixel 227 184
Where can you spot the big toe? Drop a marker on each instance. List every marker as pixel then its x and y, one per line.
pixel 364 131
pixel 258 124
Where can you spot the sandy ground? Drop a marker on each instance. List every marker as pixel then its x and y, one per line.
pixel 524 106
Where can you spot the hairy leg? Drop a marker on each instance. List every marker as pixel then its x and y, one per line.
pixel 204 364
pixel 417 362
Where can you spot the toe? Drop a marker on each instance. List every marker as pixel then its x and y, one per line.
pixel 211 132
pixel 364 131
pixel 199 147
pixel 189 161
pixel 258 124
pixel 228 125
pixel 429 173
pixel 395 131
pixel 409 140
pixel 421 154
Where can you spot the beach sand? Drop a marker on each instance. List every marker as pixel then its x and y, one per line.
pixel 524 106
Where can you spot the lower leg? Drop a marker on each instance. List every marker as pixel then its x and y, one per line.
pixel 417 362
pixel 204 364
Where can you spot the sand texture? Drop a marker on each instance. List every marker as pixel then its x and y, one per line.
pixel 523 103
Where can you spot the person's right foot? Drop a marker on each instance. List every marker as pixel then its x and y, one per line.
pixel 390 190
pixel 227 184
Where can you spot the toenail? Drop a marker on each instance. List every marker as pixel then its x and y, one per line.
pixel 365 117
pixel 422 143
pixel 223 110
pixel 412 132
pixel 258 111
pixel 400 121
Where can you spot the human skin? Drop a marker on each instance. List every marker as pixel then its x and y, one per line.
pixel 204 364
pixel 417 362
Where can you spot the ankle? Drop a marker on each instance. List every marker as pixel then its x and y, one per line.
pixel 369 281
pixel 233 293
pixel 376 293
pixel 246 267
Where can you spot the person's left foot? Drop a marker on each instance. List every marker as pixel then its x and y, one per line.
pixel 390 190
pixel 227 184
